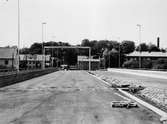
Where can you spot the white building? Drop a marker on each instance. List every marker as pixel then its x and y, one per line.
pixel 34 61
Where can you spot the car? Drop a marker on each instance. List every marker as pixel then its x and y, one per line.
pixel 64 67
pixel 121 104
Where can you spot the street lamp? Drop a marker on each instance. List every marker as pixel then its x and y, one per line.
pixel 18 10
pixel 139 26
pixel 18 36
pixel 43 59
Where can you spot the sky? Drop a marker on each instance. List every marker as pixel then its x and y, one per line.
pixel 74 20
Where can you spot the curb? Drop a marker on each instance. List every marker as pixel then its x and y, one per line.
pixel 151 107
pixel 147 105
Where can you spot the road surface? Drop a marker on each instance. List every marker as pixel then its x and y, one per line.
pixel 141 77
pixel 67 97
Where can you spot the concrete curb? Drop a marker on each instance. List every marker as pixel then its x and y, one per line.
pixel 147 105
pixel 151 107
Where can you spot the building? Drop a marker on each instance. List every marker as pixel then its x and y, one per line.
pixel 83 63
pixel 8 57
pixel 146 55
pixel 29 61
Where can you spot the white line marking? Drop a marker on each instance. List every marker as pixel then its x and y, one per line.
pixel 122 96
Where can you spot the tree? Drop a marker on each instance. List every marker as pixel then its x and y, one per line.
pixel 24 51
pixel 160 64
pixel 163 50
pixel 101 45
pixel 146 63
pixel 94 50
pixel 114 44
pixel 106 57
pixel 113 58
pixel 153 48
pixel 127 47
pixel 131 64
pixel 36 48
pixel 142 47
pixel 85 42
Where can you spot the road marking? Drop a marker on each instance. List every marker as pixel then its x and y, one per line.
pixel 122 96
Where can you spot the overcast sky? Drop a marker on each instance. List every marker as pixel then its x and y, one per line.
pixel 74 20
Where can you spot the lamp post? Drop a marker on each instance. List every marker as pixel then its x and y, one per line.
pixel 43 59
pixel 139 26
pixel 18 47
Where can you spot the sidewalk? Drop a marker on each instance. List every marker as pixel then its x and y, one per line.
pixel 146 73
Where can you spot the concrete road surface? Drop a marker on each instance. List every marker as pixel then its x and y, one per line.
pixel 67 97
pixel 143 80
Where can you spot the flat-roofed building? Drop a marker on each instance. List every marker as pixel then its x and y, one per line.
pixel 146 55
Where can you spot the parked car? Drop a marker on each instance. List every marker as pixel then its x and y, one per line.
pixel 127 104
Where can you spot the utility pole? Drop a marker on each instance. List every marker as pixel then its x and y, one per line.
pixel 139 26
pixel 43 55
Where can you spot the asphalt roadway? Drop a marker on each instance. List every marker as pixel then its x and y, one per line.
pixel 143 80
pixel 67 97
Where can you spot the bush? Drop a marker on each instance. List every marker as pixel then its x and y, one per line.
pixel 160 64
pixel 146 64
pixel 131 64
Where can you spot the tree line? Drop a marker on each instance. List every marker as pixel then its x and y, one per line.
pixel 112 52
